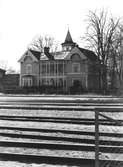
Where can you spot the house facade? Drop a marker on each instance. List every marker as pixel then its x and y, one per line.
pixel 71 69
pixel 2 74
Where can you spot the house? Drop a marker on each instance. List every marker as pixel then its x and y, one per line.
pixel 73 69
pixel 2 74
pixel 9 83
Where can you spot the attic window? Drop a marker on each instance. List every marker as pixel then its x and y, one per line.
pixel 64 48
pixel 28 58
pixel 75 57
pixel 69 47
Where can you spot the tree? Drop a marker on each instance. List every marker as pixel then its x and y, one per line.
pixel 10 70
pixel 44 41
pixel 118 56
pixel 3 64
pixel 101 38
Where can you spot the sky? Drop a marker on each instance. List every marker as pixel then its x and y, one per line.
pixel 22 20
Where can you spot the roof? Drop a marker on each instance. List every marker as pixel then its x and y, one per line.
pixel 37 54
pixel 57 56
pixel 34 54
pixel 2 70
pixel 88 53
pixel 66 55
pixel 68 39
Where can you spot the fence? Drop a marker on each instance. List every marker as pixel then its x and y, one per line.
pixel 98 112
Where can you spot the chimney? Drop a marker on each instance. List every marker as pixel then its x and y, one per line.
pixel 47 53
pixel 46 50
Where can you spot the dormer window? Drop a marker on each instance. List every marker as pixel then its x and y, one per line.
pixel 28 58
pixel 64 48
pixel 28 69
pixel 75 57
pixel 69 47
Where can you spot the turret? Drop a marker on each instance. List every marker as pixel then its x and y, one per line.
pixel 68 43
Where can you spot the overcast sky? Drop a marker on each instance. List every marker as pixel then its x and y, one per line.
pixel 22 20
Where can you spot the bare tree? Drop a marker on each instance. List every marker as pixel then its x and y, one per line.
pixel 100 37
pixel 117 53
pixel 44 41
pixel 11 70
pixel 3 64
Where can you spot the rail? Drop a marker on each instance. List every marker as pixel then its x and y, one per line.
pixel 98 112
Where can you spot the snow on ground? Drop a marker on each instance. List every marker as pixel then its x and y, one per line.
pixel 18 164
pixel 61 153
pixel 47 113
pixel 59 97
pixel 60 126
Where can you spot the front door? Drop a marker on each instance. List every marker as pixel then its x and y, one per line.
pixel 76 87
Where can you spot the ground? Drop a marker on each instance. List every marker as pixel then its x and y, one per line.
pixel 40 101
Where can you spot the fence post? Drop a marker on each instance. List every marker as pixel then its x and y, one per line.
pixel 96 138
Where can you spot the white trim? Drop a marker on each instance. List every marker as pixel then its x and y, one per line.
pixel 76 50
pixel 60 76
pixel 23 75
pixel 34 59
pixel 86 82
pixel 27 82
pixel 76 73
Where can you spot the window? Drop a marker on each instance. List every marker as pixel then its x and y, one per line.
pixel 52 82
pixel 27 82
pixel 75 57
pixel 23 82
pixel 60 68
pixel 69 47
pixel 76 67
pixel 64 48
pixel 28 58
pixel 43 82
pixel 43 68
pixel 52 69
pixel 28 69
pixel 61 82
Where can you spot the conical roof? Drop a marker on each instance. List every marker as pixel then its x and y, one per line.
pixel 68 38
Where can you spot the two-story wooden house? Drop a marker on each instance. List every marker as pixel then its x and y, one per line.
pixel 73 68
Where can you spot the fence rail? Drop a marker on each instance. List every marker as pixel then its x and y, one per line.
pixel 98 112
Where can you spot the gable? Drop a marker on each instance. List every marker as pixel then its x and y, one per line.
pixel 28 56
pixel 28 59
pixel 89 54
pixel 75 57
pixel 76 54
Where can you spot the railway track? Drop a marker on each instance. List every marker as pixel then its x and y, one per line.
pixel 30 139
